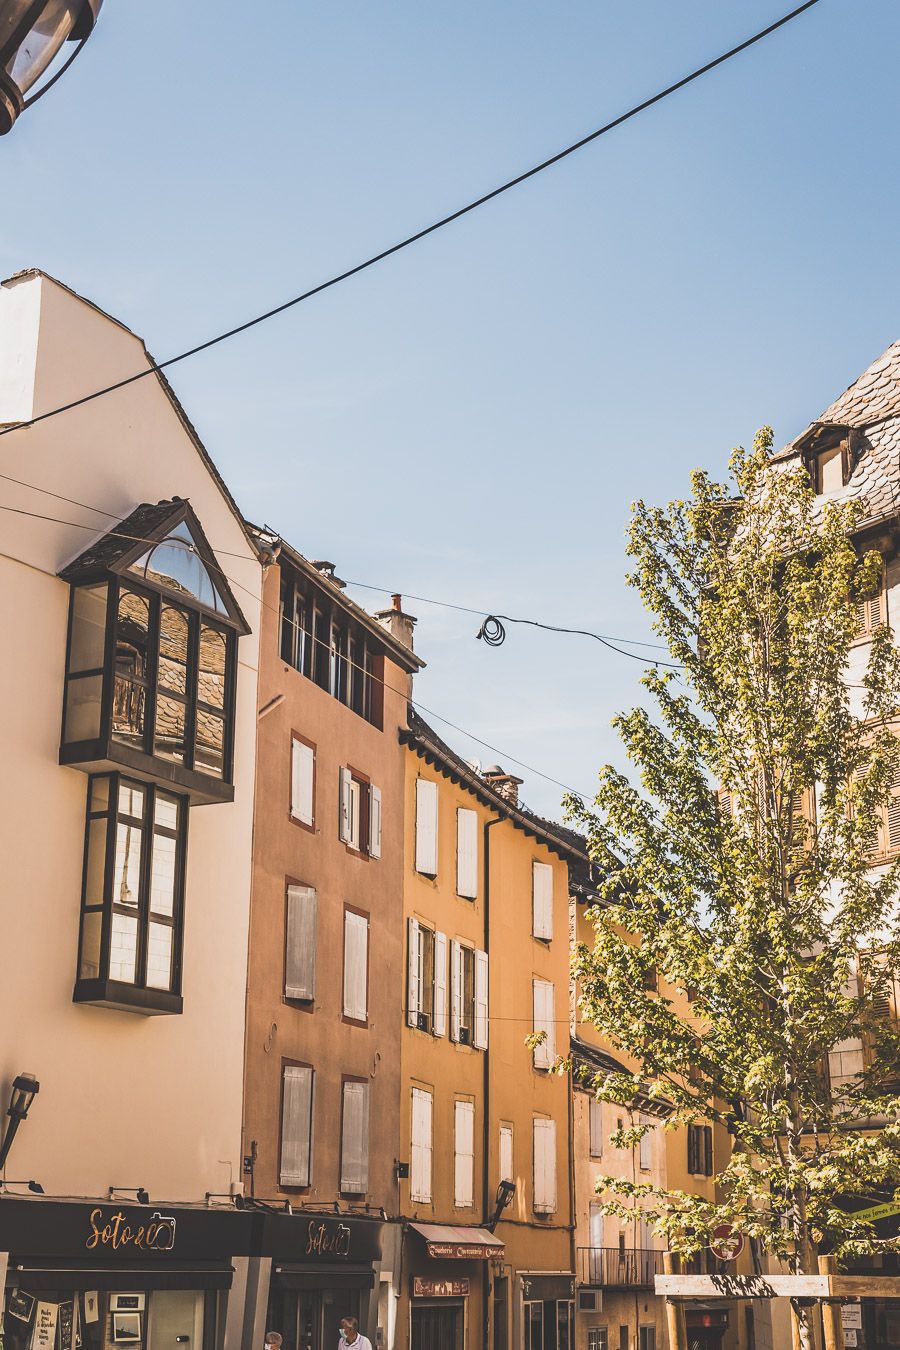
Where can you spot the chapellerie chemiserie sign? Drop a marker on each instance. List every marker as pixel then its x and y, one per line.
pixel 114 1232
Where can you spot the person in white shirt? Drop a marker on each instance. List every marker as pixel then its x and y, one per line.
pixel 352 1336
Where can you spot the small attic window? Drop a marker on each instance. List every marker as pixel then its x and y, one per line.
pixel 831 470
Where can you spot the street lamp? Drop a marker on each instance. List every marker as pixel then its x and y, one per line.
pixel 505 1192
pixel 32 33
pixel 24 1090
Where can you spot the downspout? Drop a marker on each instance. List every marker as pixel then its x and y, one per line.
pixel 486 1209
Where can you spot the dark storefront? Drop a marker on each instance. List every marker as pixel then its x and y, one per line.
pixel 447 1269
pixel 548 1311
pixel 85 1275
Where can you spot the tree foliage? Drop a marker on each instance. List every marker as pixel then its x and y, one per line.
pixel 737 866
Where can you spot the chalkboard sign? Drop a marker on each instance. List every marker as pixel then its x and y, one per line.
pixel 64 1327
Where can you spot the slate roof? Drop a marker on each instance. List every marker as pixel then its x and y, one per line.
pixel 591 1060
pixel 111 548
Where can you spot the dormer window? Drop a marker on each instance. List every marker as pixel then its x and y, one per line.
pixel 831 472
pixel 150 669
pixel 830 453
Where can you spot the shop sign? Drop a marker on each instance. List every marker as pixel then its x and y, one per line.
pixel 851 1316
pixel 440 1288
pixel 462 1251
pixel 104 1233
pixel 113 1232
pixel 315 1238
pixel 850 1337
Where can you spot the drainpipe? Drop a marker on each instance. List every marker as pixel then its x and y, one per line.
pixel 486 1090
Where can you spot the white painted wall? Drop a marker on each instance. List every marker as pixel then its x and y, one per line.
pixel 125 1100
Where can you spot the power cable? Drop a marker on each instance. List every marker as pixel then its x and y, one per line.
pixel 429 229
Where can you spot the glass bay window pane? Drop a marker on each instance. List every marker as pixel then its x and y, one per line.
pixel 88 641
pixel 127 865
pixel 123 948
pixel 159 957
pixel 91 931
pixel 171 718
pixel 82 719
pixel 162 875
pixel 95 866
pixel 173 649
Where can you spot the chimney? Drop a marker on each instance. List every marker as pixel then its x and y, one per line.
pixel 505 783
pixel 398 624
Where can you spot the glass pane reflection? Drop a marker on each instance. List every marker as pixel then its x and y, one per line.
pixel 123 948
pixel 127 867
pixel 169 739
pixel 173 649
pixel 159 956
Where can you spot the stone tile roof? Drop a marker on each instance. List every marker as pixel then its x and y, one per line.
pixel 137 528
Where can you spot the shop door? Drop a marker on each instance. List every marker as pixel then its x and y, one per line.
pixel 338 1304
pixel 436 1329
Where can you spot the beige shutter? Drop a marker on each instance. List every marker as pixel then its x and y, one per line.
pixel 439 1025
pixel 356 965
pixel 543 998
pixel 456 989
pixel 374 821
pixel 300 943
pixel 296 1125
pixel 542 901
pixel 426 827
pixel 355 1139
pixel 345 829
pixel 893 812
pixel 645 1148
pixel 464 1155
pixel 414 975
pixel 596 1128
pixel 420 1161
pixel 467 853
pixel 544 1165
pixel 506 1153
pixel 480 1030
pixel 302 775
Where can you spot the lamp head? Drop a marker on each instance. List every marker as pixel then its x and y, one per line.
pixel 505 1192
pixel 24 1090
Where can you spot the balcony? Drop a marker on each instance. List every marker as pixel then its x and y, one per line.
pixel 612 1268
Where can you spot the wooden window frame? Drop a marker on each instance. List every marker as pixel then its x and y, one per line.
pixel 296 1064
pixel 364 785
pixel 700 1159
pixel 310 745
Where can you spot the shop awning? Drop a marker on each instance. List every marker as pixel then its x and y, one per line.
pixel 40 1275
pixel 446 1243
pixel 293 1275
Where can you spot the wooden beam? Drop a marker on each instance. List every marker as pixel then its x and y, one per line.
pixel 778 1286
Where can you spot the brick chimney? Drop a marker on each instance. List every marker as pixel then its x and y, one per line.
pixel 398 624
pixel 505 783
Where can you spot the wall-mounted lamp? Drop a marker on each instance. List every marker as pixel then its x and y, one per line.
pixel 505 1192
pixel 402 1170
pixel 24 1090
pixel 34 1186
pixel 116 1193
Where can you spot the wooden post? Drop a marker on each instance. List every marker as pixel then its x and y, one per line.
pixel 675 1323
pixel 831 1312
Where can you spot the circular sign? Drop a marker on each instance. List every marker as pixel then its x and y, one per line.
pixel 726 1243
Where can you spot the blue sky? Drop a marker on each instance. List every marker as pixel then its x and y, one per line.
pixel 471 420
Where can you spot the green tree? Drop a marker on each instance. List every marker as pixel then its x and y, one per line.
pixel 721 876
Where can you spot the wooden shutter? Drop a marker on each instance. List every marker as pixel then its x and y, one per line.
pixel 596 1128
pixel 426 827
pixel 542 900
pixel 355 1138
pixel 466 853
pixel 892 830
pixel 726 803
pixel 439 1023
pixel 645 1148
pixel 480 1030
pixel 456 989
pixel 595 1225
pixel 374 821
pixel 414 979
pixel 707 1150
pixel 356 965
pixel 345 826
pixel 420 1160
pixel 464 1155
pixel 693 1152
pixel 544 1165
pixel 506 1153
pixel 300 943
pixel 296 1125
pixel 543 999
pixel 303 766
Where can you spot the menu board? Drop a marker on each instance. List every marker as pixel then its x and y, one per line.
pixel 64 1326
pixel 44 1334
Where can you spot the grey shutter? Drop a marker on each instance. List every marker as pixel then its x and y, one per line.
pixel 413 983
pixel 296 1125
pixel 439 1025
pixel 480 1031
pixel 506 1153
pixel 355 1139
pixel 596 1128
pixel 356 965
pixel 426 827
pixel 300 943
pixel 466 853
pixel 374 821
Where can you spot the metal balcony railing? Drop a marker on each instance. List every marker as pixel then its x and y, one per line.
pixel 612 1268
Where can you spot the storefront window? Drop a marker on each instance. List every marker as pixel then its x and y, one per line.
pixel 84 1319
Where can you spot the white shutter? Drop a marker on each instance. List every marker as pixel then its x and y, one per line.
pixel 374 821
pixel 480 1037
pixel 506 1153
pixel 345 826
pixel 542 901
pixel 466 853
pixel 420 1161
pixel 544 1165
pixel 413 982
pixel 300 943
pixel 303 762
pixel 296 1125
pixel 439 1025
pixel 596 1128
pixel 355 1139
pixel 645 1159
pixel 596 1225
pixel 356 965
pixel 545 1052
pixel 426 827
pixel 456 989
pixel 464 1155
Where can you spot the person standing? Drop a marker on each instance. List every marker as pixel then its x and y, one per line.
pixel 352 1336
pixel 273 1340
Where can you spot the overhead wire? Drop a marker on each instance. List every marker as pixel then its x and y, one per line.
pixel 414 238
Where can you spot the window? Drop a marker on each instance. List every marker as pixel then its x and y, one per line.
pixel 300 944
pixel 426 827
pixel 507 1169
pixel 132 897
pixel 468 996
pixel 830 476
pixel 464 1154
pixel 647 1338
pixel 360 819
pixel 645 1147
pixel 303 781
pixel 872 610
pixel 427 979
pixel 319 640
pixel 420 1162
pixel 598 1338
pixel 543 994
pixel 700 1150
pixel 355 1136
pixel 356 965
pixel 544 1165
pixel 884 836
pixel 295 1168
pixel 595 1127
pixel 542 901
pixel 467 853
pixel 595 1225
